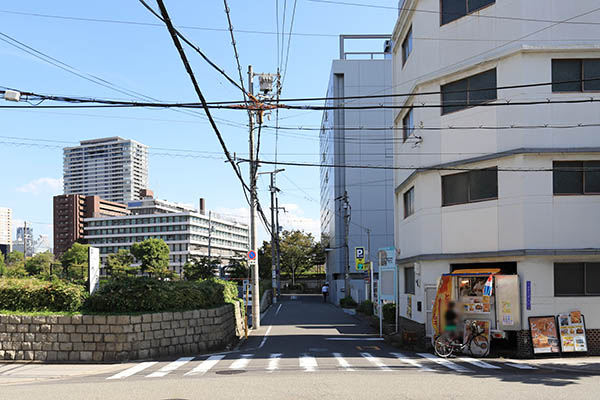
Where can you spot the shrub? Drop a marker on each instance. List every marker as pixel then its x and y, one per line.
pixel 141 294
pixel 348 302
pixel 366 307
pixel 297 287
pixel 389 313
pixel 38 295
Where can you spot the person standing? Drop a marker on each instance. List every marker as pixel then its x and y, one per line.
pixel 325 291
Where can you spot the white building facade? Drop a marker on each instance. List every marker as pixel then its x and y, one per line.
pixel 5 230
pixel 356 137
pixel 188 233
pixel 113 168
pixel 516 187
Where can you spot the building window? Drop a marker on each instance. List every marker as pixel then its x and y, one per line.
pixel 409 280
pixel 408 125
pixel 469 92
pixel 577 279
pixel 409 202
pixel 469 187
pixel 572 75
pixel 407 46
pixel 576 177
pixel 455 9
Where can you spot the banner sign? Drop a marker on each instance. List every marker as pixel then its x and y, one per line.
pixel 93 269
pixel 572 332
pixel 544 335
pixel 442 297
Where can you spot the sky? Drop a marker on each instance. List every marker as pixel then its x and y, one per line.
pixel 142 58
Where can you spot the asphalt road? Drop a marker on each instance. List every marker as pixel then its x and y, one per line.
pixel 305 350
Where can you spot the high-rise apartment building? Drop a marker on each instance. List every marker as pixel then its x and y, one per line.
pixel 113 168
pixel 358 200
pixel 5 230
pixel 69 213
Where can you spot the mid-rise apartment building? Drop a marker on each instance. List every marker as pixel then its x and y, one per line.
pixel 188 232
pixel 70 210
pixel 115 169
pixel 5 230
pixel 515 187
pixel 357 199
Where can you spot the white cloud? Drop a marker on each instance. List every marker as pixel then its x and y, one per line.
pixel 40 185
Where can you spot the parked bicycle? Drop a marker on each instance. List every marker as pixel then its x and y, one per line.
pixel 476 343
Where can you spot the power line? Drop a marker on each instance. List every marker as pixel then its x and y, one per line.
pixel 287 56
pixel 472 15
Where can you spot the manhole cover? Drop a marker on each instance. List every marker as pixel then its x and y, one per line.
pixel 231 372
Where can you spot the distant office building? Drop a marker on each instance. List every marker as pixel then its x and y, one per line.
pixel 24 231
pixel 357 137
pixel 113 168
pixel 5 230
pixel 69 213
pixel 42 245
pixel 188 232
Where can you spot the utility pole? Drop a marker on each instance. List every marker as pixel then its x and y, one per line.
pixel 369 261
pixel 277 248
pixel 24 240
pixel 346 207
pixel 274 228
pixel 253 202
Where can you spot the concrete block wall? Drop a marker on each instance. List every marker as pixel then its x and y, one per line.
pixel 97 338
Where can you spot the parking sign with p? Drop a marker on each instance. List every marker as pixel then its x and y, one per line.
pixel 359 254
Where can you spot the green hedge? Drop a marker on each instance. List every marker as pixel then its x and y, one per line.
pixel 389 313
pixel 31 294
pixel 366 307
pixel 140 294
pixel 348 302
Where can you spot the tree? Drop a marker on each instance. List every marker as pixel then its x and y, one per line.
pixel 14 257
pixel 2 265
pixel 265 261
pixel 298 252
pixel 15 265
pixel 201 268
pixel 39 264
pixel 119 264
pixel 153 255
pixel 237 268
pixel 75 261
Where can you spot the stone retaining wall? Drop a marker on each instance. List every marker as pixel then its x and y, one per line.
pixel 95 338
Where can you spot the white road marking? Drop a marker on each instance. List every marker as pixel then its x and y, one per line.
pixel 308 363
pixel 444 362
pixel 375 361
pixel 370 339
pixel 274 362
pixel 479 363
pixel 342 362
pixel 265 338
pixel 241 362
pixel 133 370
pixel 206 365
pixel 410 361
pixel 278 308
pixel 170 367
pixel 520 366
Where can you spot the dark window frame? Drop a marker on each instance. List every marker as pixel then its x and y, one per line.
pixel 407 45
pixel 407 119
pixel 409 277
pixel 442 23
pixel 581 62
pixel 469 103
pixel 584 292
pixel 469 199
pixel 409 200
pixel 582 170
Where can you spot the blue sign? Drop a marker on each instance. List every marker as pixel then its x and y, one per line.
pixel 529 295
pixel 251 255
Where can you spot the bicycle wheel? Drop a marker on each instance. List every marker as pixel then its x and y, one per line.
pixel 443 346
pixel 479 346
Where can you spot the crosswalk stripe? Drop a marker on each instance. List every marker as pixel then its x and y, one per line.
pixel 206 365
pixel 170 367
pixel 133 370
pixel 376 361
pixel 308 363
pixel 520 366
pixel 241 362
pixel 479 363
pixel 410 361
pixel 445 362
pixel 274 362
pixel 342 362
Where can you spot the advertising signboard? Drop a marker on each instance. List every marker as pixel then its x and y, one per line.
pixel 544 335
pixel 572 332
pixel 93 269
pixel 508 305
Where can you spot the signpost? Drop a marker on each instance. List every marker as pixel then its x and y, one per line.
pixel 359 253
